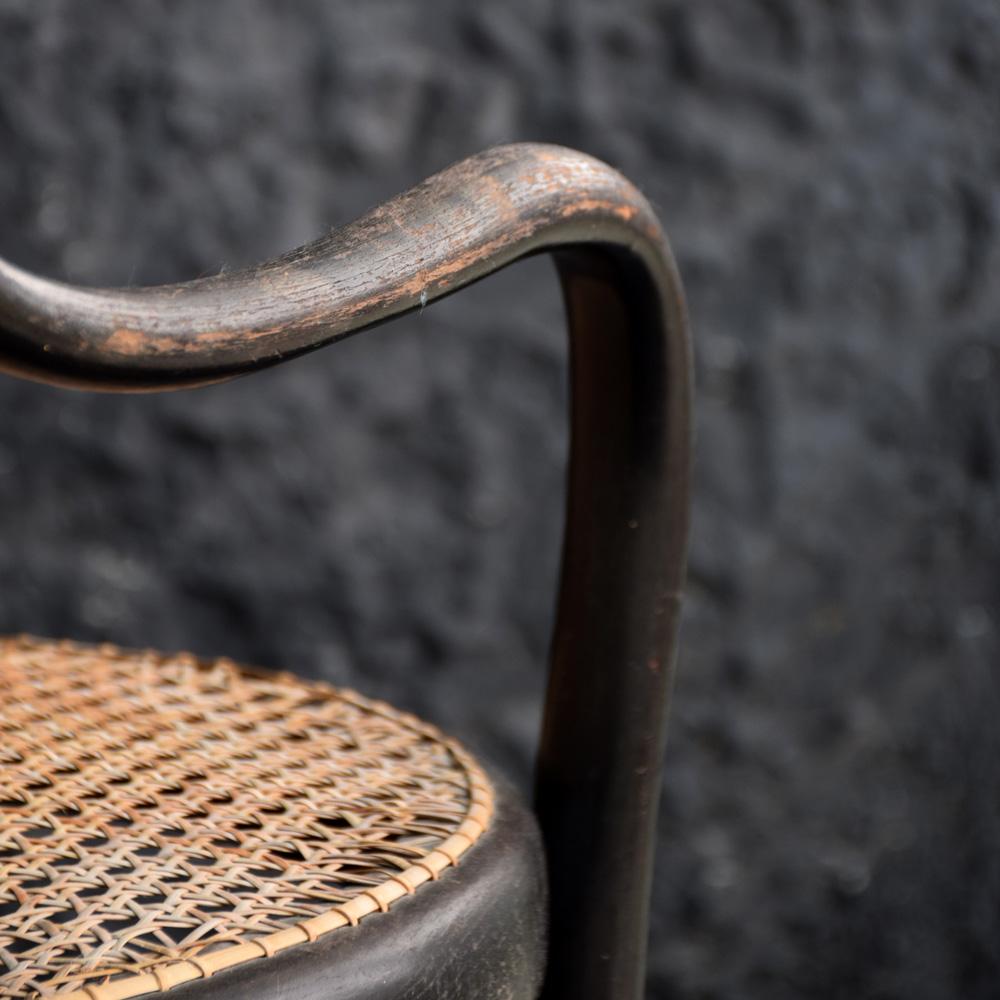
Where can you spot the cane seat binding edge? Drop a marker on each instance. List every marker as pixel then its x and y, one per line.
pixel 164 818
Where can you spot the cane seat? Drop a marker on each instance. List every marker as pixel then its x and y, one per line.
pixel 164 819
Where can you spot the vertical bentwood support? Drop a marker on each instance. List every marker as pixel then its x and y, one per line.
pixel 598 768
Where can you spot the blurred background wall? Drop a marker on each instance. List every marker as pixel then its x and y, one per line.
pixel 387 514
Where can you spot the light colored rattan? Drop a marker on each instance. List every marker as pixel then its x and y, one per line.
pixel 163 819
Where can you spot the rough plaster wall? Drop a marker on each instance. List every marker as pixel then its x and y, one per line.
pixel 386 514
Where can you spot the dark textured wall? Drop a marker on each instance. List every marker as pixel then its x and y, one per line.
pixel 386 514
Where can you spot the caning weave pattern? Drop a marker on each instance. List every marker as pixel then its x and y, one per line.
pixel 162 818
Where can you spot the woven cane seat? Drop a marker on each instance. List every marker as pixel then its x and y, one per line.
pixel 164 819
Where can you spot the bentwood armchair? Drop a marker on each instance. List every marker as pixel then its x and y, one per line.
pixel 208 831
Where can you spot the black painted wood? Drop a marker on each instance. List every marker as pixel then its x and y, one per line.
pixel 598 770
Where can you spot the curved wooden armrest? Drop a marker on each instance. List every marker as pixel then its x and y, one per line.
pixel 598 769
